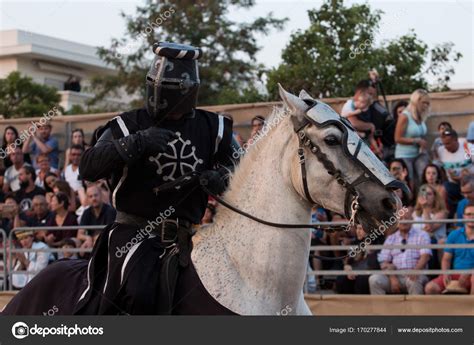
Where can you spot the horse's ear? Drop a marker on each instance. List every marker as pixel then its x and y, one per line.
pixel 297 106
pixel 304 95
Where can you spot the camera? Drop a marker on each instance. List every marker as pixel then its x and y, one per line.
pixel 21 330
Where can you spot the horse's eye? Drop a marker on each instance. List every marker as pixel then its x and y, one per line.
pixel 331 140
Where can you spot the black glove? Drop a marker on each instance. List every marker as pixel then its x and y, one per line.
pixel 150 141
pixel 155 140
pixel 214 180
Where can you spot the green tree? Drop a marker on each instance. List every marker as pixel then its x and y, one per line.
pixel 21 97
pixel 228 66
pixel 338 49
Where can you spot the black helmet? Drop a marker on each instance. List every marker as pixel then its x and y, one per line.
pixel 172 83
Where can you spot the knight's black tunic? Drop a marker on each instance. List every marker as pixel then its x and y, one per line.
pixel 204 141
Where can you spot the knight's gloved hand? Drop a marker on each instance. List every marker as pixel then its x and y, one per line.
pixel 150 141
pixel 214 180
pixel 155 140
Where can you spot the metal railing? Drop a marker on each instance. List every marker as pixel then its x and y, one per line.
pixel 12 250
pixel 7 255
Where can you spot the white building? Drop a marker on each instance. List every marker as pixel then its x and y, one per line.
pixel 52 61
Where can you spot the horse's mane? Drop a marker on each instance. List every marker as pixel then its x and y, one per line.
pixel 251 152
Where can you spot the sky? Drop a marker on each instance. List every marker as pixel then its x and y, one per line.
pixel 97 22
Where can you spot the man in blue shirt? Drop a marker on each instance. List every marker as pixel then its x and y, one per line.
pixel 467 190
pixel 43 142
pixel 457 258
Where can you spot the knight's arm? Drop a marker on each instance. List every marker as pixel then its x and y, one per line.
pixel 101 160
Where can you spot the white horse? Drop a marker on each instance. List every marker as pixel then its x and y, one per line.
pixel 254 269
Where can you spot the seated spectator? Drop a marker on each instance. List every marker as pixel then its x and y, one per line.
pixel 9 142
pixel 98 213
pixel 11 217
pixel 433 176
pixel 362 260
pixel 42 161
pixel 430 206
pixel 457 258
pixel 71 172
pixel 467 190
pixel 399 170
pixel 61 217
pixel 452 156
pixel 11 180
pixel 32 262
pixel 410 135
pixel 437 143
pixel 77 138
pixel 402 259
pixel 49 181
pixel 68 243
pixel 28 189
pixel 257 124
pixel 63 187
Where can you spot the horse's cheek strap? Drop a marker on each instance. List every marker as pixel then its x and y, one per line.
pixel 303 173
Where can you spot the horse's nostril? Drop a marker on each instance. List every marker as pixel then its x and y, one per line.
pixel 389 203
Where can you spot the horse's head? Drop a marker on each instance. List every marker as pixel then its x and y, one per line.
pixel 336 169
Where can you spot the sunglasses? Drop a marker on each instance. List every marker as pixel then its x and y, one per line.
pixel 469 215
pixel 404 241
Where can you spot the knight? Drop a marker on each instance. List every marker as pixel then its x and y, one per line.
pixel 147 155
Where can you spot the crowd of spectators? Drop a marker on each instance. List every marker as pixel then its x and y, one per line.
pixel 37 191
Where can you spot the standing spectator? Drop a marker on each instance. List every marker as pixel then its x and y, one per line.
pixel 467 190
pixel 32 262
pixel 77 138
pixel 457 258
pixel 61 217
pixel 98 213
pixel 10 135
pixel 398 109
pixel 28 189
pixel 43 142
pixel 437 143
pixel 470 140
pixel 11 181
pixel 453 157
pixel 430 206
pixel 410 135
pixel 71 173
pixel 44 168
pixel 433 176
pixel 402 259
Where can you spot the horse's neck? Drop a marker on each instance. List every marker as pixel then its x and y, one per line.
pixel 263 188
pixel 254 259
